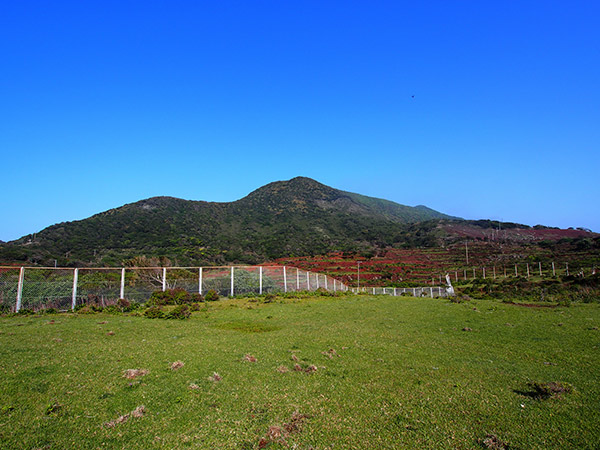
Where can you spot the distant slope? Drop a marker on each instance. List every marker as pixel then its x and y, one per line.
pixel 285 218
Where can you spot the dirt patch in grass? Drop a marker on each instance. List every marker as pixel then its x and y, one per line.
pixel 279 434
pixel 136 413
pixel 531 305
pixel 493 442
pixel 250 358
pixel 330 353
pixel 215 377
pixel 544 391
pixel 247 327
pixel 177 365
pixel 130 374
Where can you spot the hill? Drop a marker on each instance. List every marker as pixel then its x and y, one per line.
pixel 285 218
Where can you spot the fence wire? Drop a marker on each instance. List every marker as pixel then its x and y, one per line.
pixel 62 289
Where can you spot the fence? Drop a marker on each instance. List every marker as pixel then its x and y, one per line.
pixel 526 270
pixel 432 292
pixel 38 288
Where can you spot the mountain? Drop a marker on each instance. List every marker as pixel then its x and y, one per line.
pixel 285 218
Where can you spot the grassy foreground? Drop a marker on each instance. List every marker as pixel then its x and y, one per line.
pixel 390 373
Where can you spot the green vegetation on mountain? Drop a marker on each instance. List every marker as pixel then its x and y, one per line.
pixel 285 218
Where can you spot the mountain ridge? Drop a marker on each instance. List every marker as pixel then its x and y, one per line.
pixel 282 218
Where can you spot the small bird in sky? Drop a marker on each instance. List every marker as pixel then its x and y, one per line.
pixel 413 96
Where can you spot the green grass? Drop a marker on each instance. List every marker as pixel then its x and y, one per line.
pixel 407 376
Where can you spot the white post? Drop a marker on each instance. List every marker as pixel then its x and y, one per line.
pixel 297 279
pixel 484 273
pixel 553 270
pixel 527 270
pixel 383 291
pixel 334 285
pixel 232 281
pixel 394 292
pixel 325 282
pixel 164 280
pixel 317 281
pixel 284 280
pixel 122 294
pixel 307 280
pixel 414 292
pixel 431 292
pixel 540 266
pixel 74 298
pixel 20 289
pixel 260 280
pixel 200 281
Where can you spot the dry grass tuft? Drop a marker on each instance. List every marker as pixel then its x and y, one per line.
pixel 102 323
pixel 194 386
pixel 330 353
pixel 311 369
pixel 111 333
pixel 177 365
pixel 279 434
pixel 298 367
pixel 137 413
pixel 282 369
pixel 248 357
pixel 295 358
pixel 215 377
pixel 492 442
pixel 130 374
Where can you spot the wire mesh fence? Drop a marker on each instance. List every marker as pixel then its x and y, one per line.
pixel 434 291
pixel 35 288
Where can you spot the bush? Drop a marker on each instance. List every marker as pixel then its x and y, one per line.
pixel 195 307
pixel 123 303
pixel 170 297
pixel 180 312
pixel 154 312
pixel 211 296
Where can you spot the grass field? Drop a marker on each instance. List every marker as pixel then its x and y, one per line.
pixel 390 373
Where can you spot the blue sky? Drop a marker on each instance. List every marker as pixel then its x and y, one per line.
pixel 106 103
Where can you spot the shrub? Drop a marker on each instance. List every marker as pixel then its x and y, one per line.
pixel 123 303
pixel 211 296
pixel 154 312
pixel 180 312
pixel 195 307
pixel 170 297
pixel 196 298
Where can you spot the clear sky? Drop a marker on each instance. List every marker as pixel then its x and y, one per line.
pixel 484 109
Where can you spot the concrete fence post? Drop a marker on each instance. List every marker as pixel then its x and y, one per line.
pixel 284 280
pixel 325 281
pixel 260 276
pixel 74 297
pixel 20 289
pixel 122 293
pixel 164 279
pixel 307 280
pixel 200 280
pixel 232 291
pixel 297 279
